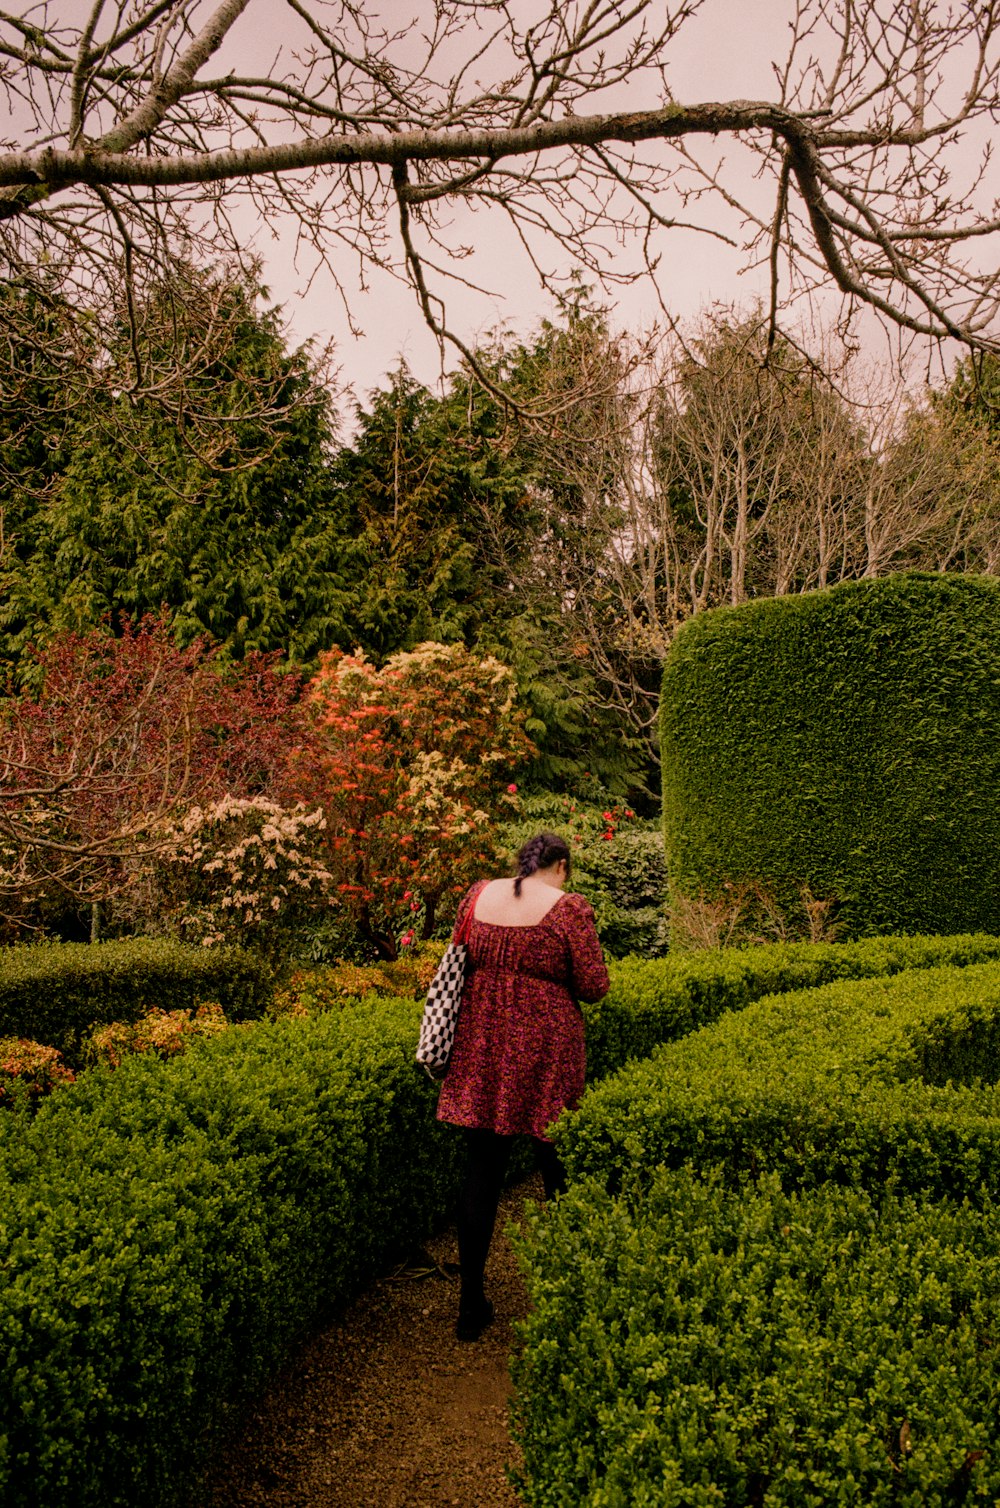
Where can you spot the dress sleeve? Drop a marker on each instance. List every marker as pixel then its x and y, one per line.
pixel 588 972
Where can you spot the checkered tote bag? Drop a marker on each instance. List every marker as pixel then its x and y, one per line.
pixel 437 1029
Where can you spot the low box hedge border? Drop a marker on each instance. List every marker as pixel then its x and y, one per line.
pixel 690 1346
pixel 56 993
pixel 860 1081
pixel 168 1229
pixel 656 1001
pixel 774 1278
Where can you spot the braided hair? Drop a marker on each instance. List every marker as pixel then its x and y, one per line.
pixel 540 852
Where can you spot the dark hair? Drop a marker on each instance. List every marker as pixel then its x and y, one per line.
pixel 539 853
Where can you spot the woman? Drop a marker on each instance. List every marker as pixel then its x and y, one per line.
pixel 518 1057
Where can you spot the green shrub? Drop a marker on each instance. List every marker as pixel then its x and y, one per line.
pixel 656 1001
pixel 845 740
pixel 862 1082
pixel 705 1338
pixel 57 992
pixel 167 1229
pixel 693 1345
pixel 625 879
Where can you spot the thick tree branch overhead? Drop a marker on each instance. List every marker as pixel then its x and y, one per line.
pixel 136 129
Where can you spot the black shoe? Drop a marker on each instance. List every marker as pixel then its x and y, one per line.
pixel 472 1322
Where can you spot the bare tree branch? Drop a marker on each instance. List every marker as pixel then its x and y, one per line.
pixel 373 129
pixel 678 476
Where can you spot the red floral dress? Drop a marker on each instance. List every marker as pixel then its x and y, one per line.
pixel 518 1058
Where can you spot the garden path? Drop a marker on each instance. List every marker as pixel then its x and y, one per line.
pixel 385 1408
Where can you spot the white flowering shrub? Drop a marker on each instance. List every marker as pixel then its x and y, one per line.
pixel 243 870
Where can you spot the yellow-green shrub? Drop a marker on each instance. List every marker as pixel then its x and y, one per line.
pixel 691 1345
pixel 859 1081
pixel 162 1033
pixel 775 1278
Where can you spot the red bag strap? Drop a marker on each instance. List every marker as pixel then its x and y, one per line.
pixel 462 935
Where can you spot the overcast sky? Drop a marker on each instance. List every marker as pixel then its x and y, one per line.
pixel 710 61
pixel 726 51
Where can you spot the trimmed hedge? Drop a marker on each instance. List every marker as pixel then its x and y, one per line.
pixel 692 1345
pixel 848 740
pixel 167 1229
pixel 651 1002
pixel 57 992
pixel 861 1082
pixel 775 1276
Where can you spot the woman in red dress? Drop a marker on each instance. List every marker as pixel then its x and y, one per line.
pixel 518 1057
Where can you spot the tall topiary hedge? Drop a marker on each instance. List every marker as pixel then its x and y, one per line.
pixel 847 740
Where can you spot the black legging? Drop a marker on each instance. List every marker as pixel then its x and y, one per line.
pixel 486 1168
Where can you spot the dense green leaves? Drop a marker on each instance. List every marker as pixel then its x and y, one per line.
pixel 652 1002
pixel 838 1082
pixel 223 511
pixel 427 484
pixel 774 1277
pixel 167 1231
pixel 468 532
pixel 846 740
pixel 691 1345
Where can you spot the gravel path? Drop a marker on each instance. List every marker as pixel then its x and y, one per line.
pixel 386 1408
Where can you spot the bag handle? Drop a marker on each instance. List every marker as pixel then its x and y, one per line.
pixel 462 935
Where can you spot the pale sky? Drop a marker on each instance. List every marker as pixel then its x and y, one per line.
pixel 710 61
pixel 726 51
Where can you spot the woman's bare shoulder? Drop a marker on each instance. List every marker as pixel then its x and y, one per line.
pixel 498 906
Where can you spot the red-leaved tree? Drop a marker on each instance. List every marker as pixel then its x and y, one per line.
pixel 122 736
pixel 412 764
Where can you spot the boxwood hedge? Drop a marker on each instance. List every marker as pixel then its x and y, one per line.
pixel 846 739
pixel 775 1277
pixel 866 1082
pixel 168 1229
pixel 691 1346
pixel 656 1001
pixel 57 992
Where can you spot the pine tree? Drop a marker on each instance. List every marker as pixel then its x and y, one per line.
pixel 221 510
